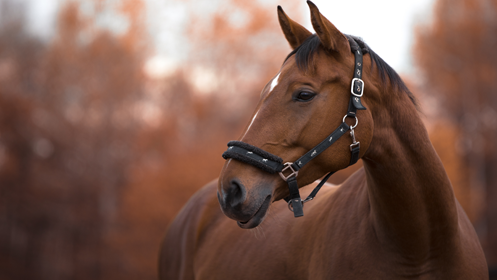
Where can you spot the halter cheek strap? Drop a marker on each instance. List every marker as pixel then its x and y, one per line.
pixel 289 171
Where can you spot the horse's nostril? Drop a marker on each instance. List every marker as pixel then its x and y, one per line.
pixel 236 193
pixel 221 201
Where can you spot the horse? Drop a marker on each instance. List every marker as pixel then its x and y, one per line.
pixel 394 218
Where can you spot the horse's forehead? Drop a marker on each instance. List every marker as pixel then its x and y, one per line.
pixel 274 82
pixel 321 66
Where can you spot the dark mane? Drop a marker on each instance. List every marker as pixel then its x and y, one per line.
pixel 304 55
pixel 305 52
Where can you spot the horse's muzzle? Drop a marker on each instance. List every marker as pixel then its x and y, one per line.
pixel 248 211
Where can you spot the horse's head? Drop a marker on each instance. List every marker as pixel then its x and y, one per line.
pixel 297 110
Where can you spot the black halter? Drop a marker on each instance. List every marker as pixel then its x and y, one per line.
pixel 289 171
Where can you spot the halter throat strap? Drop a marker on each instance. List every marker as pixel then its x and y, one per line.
pixel 270 163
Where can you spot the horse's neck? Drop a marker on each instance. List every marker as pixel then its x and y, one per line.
pixel 411 198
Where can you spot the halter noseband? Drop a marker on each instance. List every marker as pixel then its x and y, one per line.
pixel 289 171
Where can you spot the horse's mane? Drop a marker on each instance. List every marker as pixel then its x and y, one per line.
pixel 305 53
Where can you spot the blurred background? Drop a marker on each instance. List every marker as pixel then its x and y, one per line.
pixel 113 113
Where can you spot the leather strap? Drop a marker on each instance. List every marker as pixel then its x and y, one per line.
pixel 321 147
pixel 315 190
pixel 294 197
pixel 357 86
pixel 254 156
pixel 318 187
pixel 354 154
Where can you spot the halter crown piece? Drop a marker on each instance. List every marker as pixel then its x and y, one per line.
pixel 289 171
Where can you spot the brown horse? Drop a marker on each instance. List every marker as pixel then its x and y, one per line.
pixel 395 218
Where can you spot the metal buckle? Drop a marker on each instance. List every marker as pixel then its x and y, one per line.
pixel 353 145
pixel 352 87
pixel 307 200
pixel 288 165
pixel 354 142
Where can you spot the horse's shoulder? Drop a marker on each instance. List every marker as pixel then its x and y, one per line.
pixel 179 244
pixel 200 207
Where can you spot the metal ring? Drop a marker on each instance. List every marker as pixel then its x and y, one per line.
pixel 356 121
pixel 290 202
pixel 290 205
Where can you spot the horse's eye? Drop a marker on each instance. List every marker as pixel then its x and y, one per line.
pixel 305 96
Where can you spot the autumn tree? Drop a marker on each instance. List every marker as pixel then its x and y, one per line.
pixel 455 54
pixel 67 124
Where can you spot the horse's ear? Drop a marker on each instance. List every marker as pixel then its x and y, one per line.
pixel 295 33
pixel 329 35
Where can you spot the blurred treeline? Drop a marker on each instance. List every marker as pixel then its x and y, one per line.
pixel 97 156
pixel 457 58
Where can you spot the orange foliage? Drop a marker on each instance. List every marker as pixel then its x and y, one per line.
pixel 66 139
pixel 456 57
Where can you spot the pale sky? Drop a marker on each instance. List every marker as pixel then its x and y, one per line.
pixel 385 25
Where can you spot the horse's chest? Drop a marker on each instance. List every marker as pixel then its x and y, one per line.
pixel 301 253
